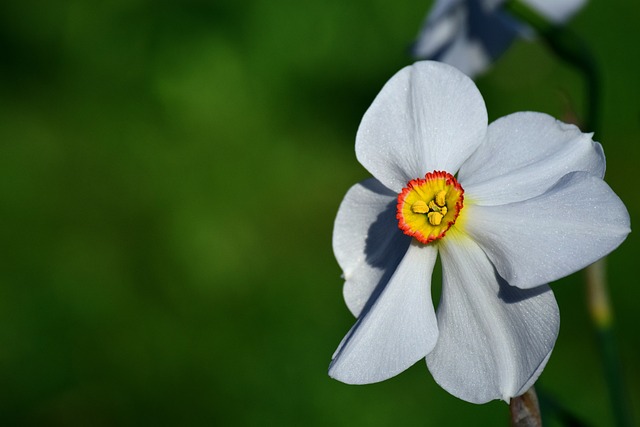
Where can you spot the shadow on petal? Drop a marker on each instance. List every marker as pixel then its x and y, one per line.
pixel 377 254
pixel 511 294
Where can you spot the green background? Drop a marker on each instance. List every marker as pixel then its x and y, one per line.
pixel 169 176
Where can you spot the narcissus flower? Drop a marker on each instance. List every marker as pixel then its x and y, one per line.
pixel 471 34
pixel 508 207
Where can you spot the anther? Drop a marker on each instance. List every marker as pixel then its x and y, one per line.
pixel 435 218
pixel 440 198
pixel 420 207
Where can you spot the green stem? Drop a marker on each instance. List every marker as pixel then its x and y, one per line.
pixel 573 50
pixel 570 48
pixel 602 316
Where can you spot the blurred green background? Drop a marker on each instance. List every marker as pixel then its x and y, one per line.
pixel 169 176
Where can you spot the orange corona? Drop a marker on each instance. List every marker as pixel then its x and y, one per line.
pixel 428 207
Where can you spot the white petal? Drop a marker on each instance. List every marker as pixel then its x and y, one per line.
pixel 493 29
pixel 523 155
pixel 366 241
pixel 467 35
pixel 494 339
pixel 397 329
pixel 557 11
pixel 490 5
pixel 467 55
pixel 446 19
pixel 429 116
pixel 576 222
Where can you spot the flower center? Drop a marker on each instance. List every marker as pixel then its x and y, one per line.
pixel 428 207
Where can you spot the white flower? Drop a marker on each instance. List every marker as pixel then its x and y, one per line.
pixel 528 206
pixel 471 34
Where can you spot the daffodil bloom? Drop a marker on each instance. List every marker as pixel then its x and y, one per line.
pixel 471 34
pixel 508 207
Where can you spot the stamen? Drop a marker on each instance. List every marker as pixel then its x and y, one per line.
pixel 435 218
pixel 420 207
pixel 428 207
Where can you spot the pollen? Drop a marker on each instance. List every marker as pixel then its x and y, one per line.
pixel 435 218
pixel 420 207
pixel 428 207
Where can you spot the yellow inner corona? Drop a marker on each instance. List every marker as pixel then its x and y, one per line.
pixel 428 207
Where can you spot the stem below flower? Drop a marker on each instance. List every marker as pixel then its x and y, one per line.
pixel 525 411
